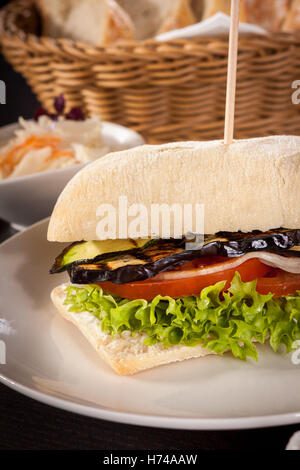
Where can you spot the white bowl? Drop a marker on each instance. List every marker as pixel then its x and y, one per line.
pixel 27 199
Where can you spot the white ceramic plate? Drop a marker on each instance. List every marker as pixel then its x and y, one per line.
pixel 30 198
pixel 49 360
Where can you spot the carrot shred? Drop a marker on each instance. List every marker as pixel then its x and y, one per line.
pixel 16 154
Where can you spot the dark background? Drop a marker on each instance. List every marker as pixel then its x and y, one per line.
pixel 27 424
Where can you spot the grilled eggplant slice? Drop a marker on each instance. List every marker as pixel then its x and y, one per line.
pixel 163 255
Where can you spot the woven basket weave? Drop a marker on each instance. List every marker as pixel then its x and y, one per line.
pixel 167 91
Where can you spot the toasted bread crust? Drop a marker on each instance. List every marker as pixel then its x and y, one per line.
pixel 180 17
pixel 126 354
pixel 98 22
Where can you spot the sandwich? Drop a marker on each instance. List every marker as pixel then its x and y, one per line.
pixel 148 294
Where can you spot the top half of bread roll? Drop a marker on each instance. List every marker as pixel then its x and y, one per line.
pixel 250 185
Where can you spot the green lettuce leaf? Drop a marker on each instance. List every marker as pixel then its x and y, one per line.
pixel 231 321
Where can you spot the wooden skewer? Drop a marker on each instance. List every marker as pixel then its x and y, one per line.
pixel 231 74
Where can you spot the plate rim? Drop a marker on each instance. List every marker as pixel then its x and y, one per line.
pixel 140 419
pixel 153 421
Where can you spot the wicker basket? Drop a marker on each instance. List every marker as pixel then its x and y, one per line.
pixel 167 91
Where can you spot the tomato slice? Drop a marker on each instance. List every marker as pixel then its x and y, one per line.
pixel 280 283
pixel 189 285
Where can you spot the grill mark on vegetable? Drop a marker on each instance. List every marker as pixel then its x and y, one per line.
pixel 59 267
pixel 164 255
pixel 223 244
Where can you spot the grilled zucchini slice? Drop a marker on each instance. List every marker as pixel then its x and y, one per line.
pixel 85 252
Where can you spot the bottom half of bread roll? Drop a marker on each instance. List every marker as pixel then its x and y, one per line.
pixel 125 353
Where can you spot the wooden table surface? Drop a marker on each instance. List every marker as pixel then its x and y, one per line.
pixel 27 424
